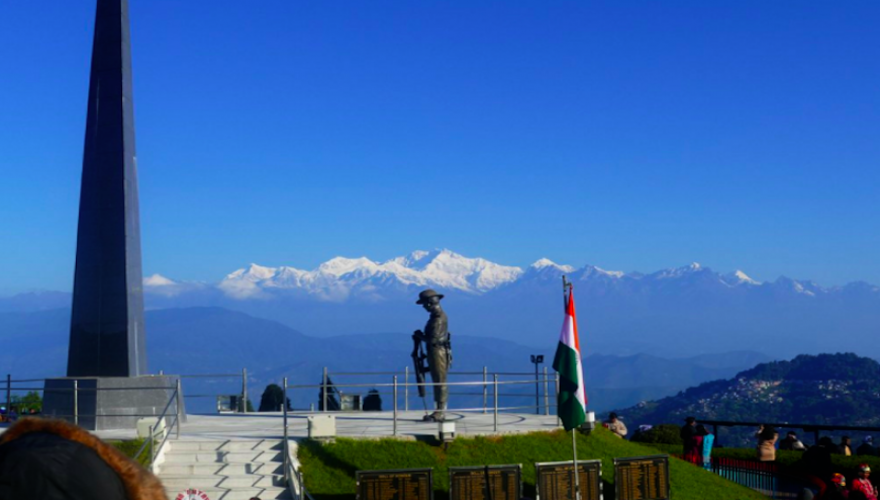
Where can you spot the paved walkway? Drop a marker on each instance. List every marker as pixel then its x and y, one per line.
pixel 364 425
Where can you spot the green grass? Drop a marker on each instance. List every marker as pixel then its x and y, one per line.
pixel 329 469
pixel 130 447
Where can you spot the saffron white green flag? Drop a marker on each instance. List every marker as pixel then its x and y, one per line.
pixel 572 402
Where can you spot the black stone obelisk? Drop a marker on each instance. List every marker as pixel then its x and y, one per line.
pixel 107 337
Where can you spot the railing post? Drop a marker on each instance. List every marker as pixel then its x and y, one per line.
pixel 324 392
pixel 152 456
pixel 76 402
pixel 485 390
pixel 284 413
pixel 395 406
pixel 179 409
pixel 558 420
pixel 547 395
pixel 244 394
pixel 406 388
pixel 495 397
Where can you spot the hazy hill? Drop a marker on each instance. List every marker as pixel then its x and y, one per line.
pixel 842 389
pixel 217 341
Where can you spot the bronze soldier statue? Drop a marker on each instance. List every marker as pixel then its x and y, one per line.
pixel 436 337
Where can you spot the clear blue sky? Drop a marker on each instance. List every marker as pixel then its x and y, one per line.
pixel 630 135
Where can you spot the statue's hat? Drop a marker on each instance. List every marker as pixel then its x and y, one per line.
pixel 424 295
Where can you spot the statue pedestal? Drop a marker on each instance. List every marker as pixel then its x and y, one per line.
pixel 103 403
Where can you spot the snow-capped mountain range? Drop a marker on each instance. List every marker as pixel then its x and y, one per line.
pixel 687 311
pixel 343 278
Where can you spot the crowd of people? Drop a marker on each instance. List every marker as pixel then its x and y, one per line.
pixel 817 459
pixel 698 443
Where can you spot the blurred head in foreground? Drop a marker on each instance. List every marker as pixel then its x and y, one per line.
pixel 55 460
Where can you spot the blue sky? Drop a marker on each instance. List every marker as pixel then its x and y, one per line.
pixel 629 135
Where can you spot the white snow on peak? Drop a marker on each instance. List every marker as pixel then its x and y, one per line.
pixel 336 278
pixel 738 277
pixel 613 274
pixel 547 263
pixel 341 265
pixel 158 280
pixel 678 272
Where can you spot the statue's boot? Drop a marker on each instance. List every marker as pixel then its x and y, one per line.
pixel 440 414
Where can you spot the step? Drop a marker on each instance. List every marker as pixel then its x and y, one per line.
pixel 224 469
pixel 223 445
pixel 184 481
pixel 183 456
pixel 237 493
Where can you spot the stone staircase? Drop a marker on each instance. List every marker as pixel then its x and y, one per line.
pixel 225 470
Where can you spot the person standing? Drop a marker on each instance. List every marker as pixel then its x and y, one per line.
pixel 845 446
pixel 867 447
pixel 615 425
pixel 708 443
pixel 862 484
pixel 691 442
pixel 767 437
pixel 791 442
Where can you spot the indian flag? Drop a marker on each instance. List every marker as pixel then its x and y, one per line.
pixel 572 397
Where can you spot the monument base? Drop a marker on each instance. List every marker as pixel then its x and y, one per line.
pixel 103 403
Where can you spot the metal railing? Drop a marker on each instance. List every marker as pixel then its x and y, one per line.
pixel 540 381
pixel 395 387
pixel 76 390
pixel 815 429
pixel 12 387
pixel 155 451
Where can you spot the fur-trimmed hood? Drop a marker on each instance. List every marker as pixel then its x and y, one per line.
pixel 139 483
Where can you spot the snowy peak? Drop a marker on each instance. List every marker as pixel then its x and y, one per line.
pixel 679 272
pixel 739 278
pixel 547 264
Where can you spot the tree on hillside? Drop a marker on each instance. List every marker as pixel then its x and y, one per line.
pixel 273 398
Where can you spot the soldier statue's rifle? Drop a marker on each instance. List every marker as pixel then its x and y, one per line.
pixel 420 363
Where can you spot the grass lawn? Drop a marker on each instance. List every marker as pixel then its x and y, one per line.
pixel 329 469
pixel 129 448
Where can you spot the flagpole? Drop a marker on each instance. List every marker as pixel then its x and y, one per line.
pixel 566 290
pixel 577 481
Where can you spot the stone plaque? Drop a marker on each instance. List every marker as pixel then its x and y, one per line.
pixel 555 481
pixel 470 483
pixel 642 478
pixel 398 484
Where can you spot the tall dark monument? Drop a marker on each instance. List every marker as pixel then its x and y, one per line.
pixel 107 337
pixel 107 385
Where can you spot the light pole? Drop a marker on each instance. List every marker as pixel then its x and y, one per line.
pixel 537 360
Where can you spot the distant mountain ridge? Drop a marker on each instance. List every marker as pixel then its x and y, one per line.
pixel 676 312
pixel 342 278
pixel 833 389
